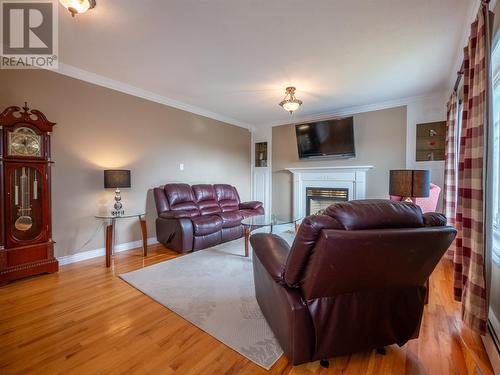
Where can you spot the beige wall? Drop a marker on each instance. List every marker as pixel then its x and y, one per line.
pixel 98 128
pixel 380 139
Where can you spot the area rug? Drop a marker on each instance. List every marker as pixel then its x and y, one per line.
pixel 214 290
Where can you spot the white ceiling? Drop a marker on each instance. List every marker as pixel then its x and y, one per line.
pixel 235 58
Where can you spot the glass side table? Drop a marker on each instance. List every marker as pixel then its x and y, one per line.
pixel 267 220
pixel 110 230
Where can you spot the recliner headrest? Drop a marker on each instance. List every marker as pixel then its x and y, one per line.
pixel 376 214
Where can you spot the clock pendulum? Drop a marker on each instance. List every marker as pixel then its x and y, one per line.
pixel 24 222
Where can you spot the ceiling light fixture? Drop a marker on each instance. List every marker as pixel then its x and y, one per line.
pixel 78 6
pixel 290 103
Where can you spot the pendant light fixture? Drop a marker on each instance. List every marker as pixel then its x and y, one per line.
pixel 78 6
pixel 290 103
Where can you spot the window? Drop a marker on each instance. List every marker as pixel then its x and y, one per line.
pixel 494 197
pixel 493 203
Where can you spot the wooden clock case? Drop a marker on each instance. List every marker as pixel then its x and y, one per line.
pixel 26 245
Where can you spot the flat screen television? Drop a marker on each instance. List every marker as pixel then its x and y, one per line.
pixel 326 139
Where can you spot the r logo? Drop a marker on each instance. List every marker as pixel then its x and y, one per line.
pixel 27 28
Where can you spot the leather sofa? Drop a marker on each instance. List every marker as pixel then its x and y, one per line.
pixel 353 280
pixel 199 216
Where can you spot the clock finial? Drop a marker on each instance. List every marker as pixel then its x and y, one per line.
pixel 26 108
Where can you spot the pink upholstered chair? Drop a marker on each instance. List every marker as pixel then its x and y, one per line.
pixel 428 204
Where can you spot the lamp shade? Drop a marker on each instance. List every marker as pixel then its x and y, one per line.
pixel 116 178
pixel 410 183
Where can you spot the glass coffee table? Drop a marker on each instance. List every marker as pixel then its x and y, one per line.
pixel 268 220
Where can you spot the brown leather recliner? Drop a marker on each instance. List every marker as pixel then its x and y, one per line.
pixel 199 216
pixel 353 280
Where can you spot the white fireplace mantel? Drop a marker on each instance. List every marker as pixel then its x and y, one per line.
pixel 352 178
pixel 356 168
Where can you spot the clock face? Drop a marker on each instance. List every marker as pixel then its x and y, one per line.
pixel 25 142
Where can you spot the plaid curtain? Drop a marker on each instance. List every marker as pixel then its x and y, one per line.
pixel 469 256
pixel 450 170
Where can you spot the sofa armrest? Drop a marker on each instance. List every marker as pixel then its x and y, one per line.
pixel 272 251
pixel 434 219
pixel 176 234
pixel 252 205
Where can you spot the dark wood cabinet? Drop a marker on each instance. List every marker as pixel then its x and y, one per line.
pixel 26 245
pixel 261 154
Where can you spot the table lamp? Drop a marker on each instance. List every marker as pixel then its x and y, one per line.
pixel 116 179
pixel 408 183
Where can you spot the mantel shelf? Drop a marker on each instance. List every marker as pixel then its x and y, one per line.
pixel 358 168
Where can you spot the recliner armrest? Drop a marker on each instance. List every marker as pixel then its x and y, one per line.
pixel 272 251
pixel 434 219
pixel 252 205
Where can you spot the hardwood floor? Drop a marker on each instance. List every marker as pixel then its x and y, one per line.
pixel 85 320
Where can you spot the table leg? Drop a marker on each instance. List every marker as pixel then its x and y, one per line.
pixel 426 300
pixel 109 242
pixel 247 235
pixel 144 230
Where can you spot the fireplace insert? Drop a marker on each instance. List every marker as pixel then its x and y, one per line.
pixel 319 198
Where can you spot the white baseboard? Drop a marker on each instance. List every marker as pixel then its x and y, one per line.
pixel 492 351
pixel 84 255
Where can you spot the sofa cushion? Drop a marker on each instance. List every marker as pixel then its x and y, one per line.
pixel 206 224
pixel 179 214
pixel 230 218
pixel 233 233
pixel 205 241
pixel 227 196
pixel 206 199
pixel 181 197
pixel 375 214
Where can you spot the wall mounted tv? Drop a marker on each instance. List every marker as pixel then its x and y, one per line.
pixel 326 139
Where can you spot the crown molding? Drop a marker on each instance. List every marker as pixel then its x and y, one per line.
pixel 96 79
pixel 348 111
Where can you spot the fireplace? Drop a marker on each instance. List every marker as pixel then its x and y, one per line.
pixel 349 178
pixel 319 198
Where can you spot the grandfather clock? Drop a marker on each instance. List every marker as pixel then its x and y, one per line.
pixel 26 246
